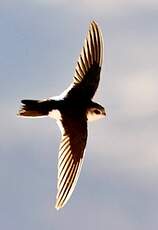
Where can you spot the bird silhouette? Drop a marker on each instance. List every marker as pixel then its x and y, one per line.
pixel 72 109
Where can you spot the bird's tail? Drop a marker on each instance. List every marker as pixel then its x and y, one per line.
pixel 34 108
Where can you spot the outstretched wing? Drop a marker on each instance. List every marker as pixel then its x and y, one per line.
pixel 87 72
pixel 71 153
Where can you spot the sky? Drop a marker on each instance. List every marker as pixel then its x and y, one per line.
pixel 39 45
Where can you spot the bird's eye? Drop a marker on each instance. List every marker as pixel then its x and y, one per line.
pixel 96 111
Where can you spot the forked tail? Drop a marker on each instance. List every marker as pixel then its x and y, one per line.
pixel 35 108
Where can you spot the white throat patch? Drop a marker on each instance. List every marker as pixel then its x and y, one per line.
pixel 93 116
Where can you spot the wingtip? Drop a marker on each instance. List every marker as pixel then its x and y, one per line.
pixel 95 26
pixel 58 206
pixel 93 22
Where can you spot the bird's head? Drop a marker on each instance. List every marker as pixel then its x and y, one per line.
pixel 95 112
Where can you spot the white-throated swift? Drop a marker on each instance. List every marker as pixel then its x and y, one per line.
pixel 71 110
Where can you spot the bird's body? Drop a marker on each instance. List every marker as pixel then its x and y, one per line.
pixel 71 110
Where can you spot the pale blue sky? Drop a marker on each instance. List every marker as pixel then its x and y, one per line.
pixel 118 187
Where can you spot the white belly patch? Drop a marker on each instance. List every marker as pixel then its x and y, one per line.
pixel 55 113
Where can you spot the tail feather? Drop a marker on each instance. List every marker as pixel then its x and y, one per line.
pixel 33 108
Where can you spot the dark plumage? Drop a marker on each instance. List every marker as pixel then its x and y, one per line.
pixel 71 110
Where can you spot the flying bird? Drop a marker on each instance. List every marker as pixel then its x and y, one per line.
pixel 72 109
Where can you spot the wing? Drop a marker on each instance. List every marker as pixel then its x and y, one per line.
pixel 71 153
pixel 87 72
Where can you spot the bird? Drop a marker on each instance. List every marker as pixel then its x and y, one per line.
pixel 72 110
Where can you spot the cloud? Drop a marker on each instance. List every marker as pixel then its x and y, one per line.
pixel 92 7
pixel 125 147
pixel 127 140
pixel 138 94
pixel 101 5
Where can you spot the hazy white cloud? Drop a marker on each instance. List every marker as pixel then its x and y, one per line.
pixel 138 94
pixel 101 5
pixel 127 137
pixel 112 3
pixel 127 149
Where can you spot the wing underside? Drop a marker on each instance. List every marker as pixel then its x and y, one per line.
pixel 70 159
pixel 87 72
pixel 74 129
